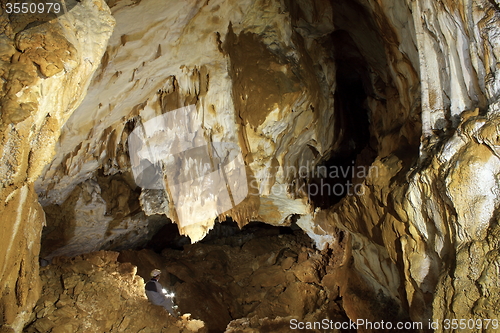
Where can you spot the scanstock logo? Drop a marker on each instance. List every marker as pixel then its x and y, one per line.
pixel 204 179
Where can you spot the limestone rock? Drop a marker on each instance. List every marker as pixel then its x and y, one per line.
pixel 97 215
pixel 409 89
pixel 97 296
pixel 221 38
pixel 46 69
pixel 423 224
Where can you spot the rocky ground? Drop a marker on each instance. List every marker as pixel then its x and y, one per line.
pixel 95 293
pixel 254 280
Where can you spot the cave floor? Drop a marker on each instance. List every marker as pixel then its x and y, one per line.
pixel 245 282
pixel 267 273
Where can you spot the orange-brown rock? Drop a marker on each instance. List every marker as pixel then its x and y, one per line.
pixel 46 66
pixel 95 293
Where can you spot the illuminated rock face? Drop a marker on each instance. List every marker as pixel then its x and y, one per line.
pixel 434 218
pixel 393 85
pixel 260 86
pixel 46 69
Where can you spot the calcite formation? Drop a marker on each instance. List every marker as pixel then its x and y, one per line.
pixel 407 88
pixel 434 218
pixel 282 96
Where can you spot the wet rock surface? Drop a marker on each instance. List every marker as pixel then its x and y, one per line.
pixel 95 293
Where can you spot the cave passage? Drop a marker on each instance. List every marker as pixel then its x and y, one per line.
pixel 339 174
pixel 259 271
pixel 341 86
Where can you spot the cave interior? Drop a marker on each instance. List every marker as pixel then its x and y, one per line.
pixel 293 161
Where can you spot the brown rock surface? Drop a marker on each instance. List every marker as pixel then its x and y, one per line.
pixel 95 293
pixel 45 65
pixel 232 278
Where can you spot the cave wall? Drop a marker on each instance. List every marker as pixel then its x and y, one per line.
pixel 94 292
pixel 46 69
pixel 435 218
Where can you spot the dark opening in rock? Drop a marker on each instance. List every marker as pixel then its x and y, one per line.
pixel 338 176
pixel 260 271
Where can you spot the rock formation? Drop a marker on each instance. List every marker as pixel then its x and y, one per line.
pixel 253 274
pixel 378 118
pixel 95 293
pixel 46 69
